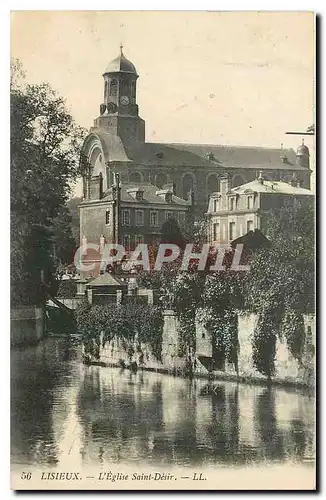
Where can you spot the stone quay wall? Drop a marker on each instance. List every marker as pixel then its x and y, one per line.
pixel 288 370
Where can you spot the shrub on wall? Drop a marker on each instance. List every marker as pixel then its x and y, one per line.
pixel 280 285
pixel 126 323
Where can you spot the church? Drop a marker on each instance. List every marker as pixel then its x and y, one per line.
pixel 116 145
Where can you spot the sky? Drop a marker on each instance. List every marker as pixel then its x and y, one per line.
pixel 240 78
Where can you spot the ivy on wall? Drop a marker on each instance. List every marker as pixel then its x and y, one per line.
pixel 96 323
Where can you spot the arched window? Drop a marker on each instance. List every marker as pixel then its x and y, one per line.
pixel 187 185
pixel 212 184
pixel 135 177
pixel 160 180
pixel 113 87
pixel 105 91
pixel 133 90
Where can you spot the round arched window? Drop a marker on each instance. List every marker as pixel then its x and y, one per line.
pixel 160 180
pixel 187 185
pixel 212 184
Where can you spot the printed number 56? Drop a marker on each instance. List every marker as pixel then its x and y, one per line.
pixel 26 475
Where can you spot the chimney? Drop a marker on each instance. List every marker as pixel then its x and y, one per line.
pixel 224 184
pixel 283 156
pixel 260 178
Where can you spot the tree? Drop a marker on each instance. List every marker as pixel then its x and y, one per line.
pixel 64 244
pixel 281 283
pixel 45 149
pixel 170 233
pixel 195 231
pixel 72 205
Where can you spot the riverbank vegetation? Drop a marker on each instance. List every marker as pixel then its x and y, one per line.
pixel 279 288
pixel 101 324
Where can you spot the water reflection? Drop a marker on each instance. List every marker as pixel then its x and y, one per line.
pixel 64 411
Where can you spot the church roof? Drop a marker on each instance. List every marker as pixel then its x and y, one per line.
pixel 208 155
pixel 112 145
pixel 242 156
pixel 194 155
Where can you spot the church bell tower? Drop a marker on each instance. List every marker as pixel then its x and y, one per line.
pixel 119 110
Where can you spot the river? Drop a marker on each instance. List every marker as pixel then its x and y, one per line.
pixel 63 411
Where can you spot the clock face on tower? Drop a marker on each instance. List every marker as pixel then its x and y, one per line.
pixel 124 100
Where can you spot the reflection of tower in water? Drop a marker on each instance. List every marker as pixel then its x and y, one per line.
pixel 217 419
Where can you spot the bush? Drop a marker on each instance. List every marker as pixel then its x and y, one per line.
pixel 67 289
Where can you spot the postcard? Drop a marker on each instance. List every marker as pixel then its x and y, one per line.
pixel 163 319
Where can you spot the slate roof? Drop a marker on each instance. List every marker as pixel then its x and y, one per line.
pixel 243 156
pixel 273 187
pixel 149 196
pixel 194 155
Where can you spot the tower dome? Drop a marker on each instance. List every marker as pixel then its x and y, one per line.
pixel 303 150
pixel 121 65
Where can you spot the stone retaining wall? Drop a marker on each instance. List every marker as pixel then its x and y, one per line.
pixel 288 370
pixel 27 325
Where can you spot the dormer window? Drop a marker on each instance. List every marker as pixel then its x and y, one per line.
pixel 159 154
pixel 210 156
pixel 232 203
pixel 250 202
pixel 136 193
pixel 165 194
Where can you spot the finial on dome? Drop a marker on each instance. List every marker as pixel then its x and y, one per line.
pixel 302 141
pixel 121 47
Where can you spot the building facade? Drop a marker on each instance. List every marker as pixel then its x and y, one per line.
pixel 234 211
pixel 128 214
pixel 116 144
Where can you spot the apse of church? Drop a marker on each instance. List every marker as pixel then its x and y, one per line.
pixel 116 143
